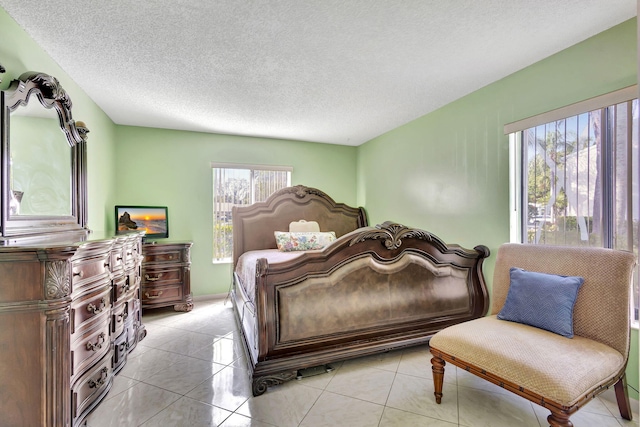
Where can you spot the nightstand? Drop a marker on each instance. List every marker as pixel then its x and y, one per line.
pixel 166 275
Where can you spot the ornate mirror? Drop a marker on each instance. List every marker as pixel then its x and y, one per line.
pixel 43 162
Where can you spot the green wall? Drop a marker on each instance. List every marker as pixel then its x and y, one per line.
pixel 173 168
pixel 448 171
pixel 19 54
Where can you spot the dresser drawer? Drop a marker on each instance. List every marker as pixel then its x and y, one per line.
pixel 117 260
pixel 89 345
pixel 133 309
pixel 119 315
pixel 88 309
pixel 134 277
pixel 90 271
pixel 87 391
pixel 120 351
pixel 122 287
pixel 131 254
pixel 160 294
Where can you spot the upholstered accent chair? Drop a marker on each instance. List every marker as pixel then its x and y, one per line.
pixel 559 373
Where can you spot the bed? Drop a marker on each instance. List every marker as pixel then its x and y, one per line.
pixel 371 290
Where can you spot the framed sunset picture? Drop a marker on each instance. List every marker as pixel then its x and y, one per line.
pixel 154 220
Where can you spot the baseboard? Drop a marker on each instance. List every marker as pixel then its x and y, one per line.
pixel 209 297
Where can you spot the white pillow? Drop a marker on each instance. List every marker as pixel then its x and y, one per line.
pixel 303 226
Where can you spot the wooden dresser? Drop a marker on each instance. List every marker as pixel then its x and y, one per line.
pixel 166 275
pixel 69 315
pixel 70 308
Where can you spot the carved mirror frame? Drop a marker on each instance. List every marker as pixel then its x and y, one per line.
pixel 33 87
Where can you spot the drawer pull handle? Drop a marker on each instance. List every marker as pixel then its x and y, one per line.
pixel 98 345
pixel 152 279
pixel 126 286
pixel 119 258
pixel 95 310
pixel 79 273
pixel 104 374
pixel 153 296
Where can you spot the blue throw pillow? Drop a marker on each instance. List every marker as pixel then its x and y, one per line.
pixel 542 300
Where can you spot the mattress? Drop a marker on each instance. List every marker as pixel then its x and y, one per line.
pixel 246 266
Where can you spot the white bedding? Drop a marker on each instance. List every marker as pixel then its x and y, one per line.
pixel 246 267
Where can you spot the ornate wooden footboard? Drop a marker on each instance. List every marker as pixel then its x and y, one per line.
pixel 372 290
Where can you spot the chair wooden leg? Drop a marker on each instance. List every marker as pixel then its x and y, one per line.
pixel 622 397
pixel 559 419
pixel 437 367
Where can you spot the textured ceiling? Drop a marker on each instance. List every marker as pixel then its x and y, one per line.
pixel 329 71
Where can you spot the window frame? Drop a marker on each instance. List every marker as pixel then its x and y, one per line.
pixel 251 168
pixel 517 181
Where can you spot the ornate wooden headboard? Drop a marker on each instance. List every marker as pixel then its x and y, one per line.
pixel 253 225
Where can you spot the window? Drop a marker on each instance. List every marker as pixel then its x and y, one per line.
pixel 239 185
pixel 576 174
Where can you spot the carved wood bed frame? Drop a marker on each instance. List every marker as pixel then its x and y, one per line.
pixel 372 290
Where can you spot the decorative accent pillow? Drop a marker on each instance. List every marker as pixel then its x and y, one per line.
pixel 542 300
pixel 303 241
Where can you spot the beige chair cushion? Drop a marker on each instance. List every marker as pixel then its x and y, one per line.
pixel 601 312
pixel 560 369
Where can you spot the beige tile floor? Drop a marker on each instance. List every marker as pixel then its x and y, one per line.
pixel 190 371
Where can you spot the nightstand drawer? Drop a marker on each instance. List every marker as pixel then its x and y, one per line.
pixel 163 256
pixel 158 276
pixel 160 294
